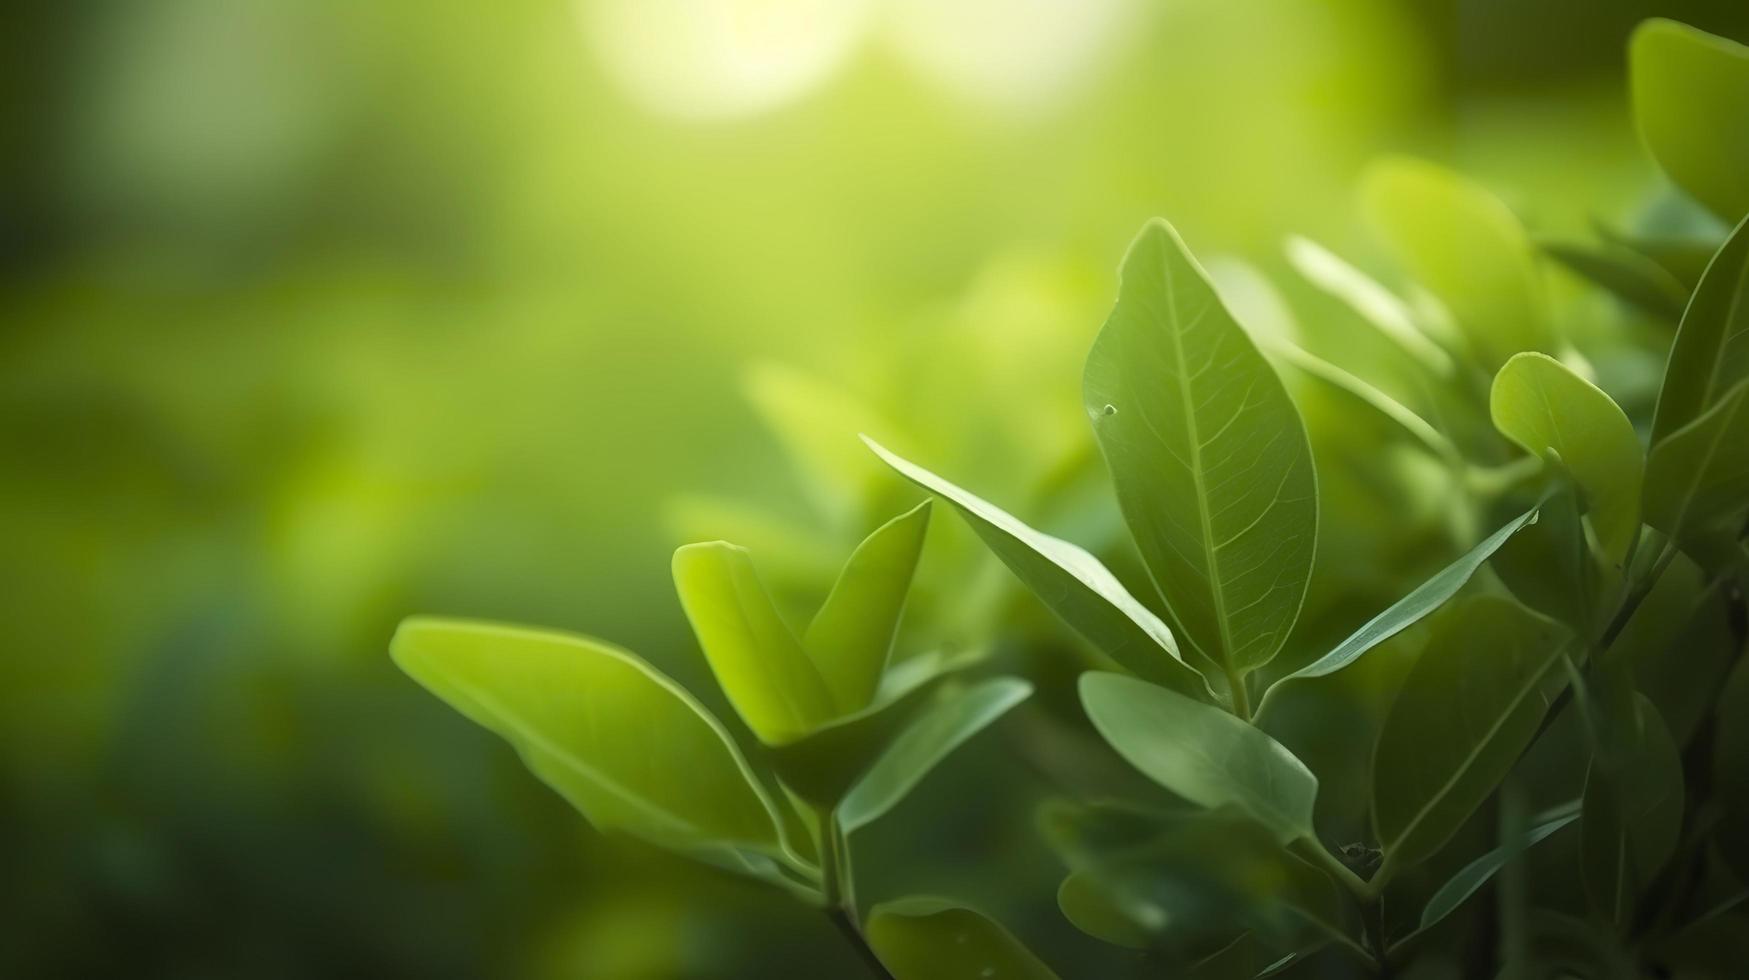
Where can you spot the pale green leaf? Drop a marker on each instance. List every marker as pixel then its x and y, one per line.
pixel 624 744
pixel 930 738
pixel 1202 753
pixel 934 939
pixel 1376 305
pixel 1691 95
pixel 852 634
pixel 1208 454
pixel 1539 403
pixel 1467 709
pixel 759 663
pixel 1410 609
pixel 1699 476
pixel 1710 355
pixel 1467 248
pixel 1070 581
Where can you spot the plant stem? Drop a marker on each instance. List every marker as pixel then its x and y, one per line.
pixel 1241 696
pixel 839 888
pixel 1318 855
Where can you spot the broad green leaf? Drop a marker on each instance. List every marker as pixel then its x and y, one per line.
pixel 1208 454
pixel 1699 476
pixel 934 939
pixel 1548 566
pixel 1542 405
pixel 757 660
pixel 623 743
pixel 1731 771
pixel 1629 276
pixel 941 728
pixel 1633 809
pixel 1376 305
pixel 1691 95
pixel 1710 355
pixel 1467 248
pixel 1366 394
pixel 1070 581
pixel 1477 873
pixel 1410 609
pixel 1467 709
pixel 852 634
pixel 1202 753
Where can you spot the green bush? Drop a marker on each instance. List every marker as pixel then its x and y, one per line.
pixel 1532 762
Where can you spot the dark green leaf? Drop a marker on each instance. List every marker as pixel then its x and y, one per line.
pixel 1710 355
pixel 1698 477
pixel 1202 753
pixel 934 939
pixel 1633 809
pixel 1209 456
pixel 1731 771
pixel 1631 277
pixel 1477 873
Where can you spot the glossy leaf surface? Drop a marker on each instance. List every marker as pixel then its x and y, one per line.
pixel 1208 454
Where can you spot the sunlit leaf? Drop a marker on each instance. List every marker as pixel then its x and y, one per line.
pixel 1410 609
pixel 1710 356
pixel 930 738
pixel 584 715
pixel 1208 454
pixel 934 939
pixel 1691 95
pixel 1633 809
pixel 1372 398
pixel 1467 248
pixel 759 663
pixel 1539 403
pixel 1698 477
pixel 1202 753
pixel 1467 709
pixel 1376 305
pixel 852 634
pixel 1070 581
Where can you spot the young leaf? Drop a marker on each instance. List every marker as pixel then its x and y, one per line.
pixel 1633 810
pixel 1540 404
pixel 934 939
pixel 1710 355
pixel 1466 711
pixel 1699 476
pixel 1731 771
pixel 1375 304
pixel 1474 875
pixel 1209 456
pixel 1467 248
pixel 1202 753
pixel 941 728
pixel 584 716
pixel 1691 95
pixel 1069 580
pixel 765 673
pixel 1410 609
pixel 852 634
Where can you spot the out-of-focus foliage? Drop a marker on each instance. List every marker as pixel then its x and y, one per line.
pixel 315 313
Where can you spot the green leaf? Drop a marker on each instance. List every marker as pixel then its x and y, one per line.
pixel 1088 902
pixel 583 716
pixel 1467 248
pixel 1376 305
pixel 765 673
pixel 1208 454
pixel 934 939
pixel 1202 753
pixel 852 634
pixel 1710 355
pixel 1691 95
pixel 1731 771
pixel 1543 406
pixel 1629 276
pixel 1699 476
pixel 1549 566
pixel 1366 394
pixel 1467 709
pixel 1633 809
pixel 941 728
pixel 1477 873
pixel 1069 580
pixel 1410 609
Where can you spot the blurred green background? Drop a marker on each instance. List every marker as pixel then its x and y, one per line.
pixel 314 314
